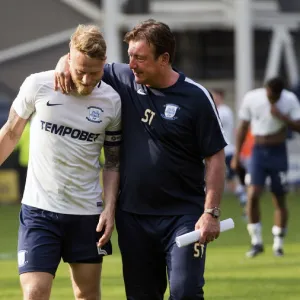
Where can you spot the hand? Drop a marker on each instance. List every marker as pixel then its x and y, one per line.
pixel 209 228
pixel 106 222
pixel 63 76
pixel 276 112
pixel 235 162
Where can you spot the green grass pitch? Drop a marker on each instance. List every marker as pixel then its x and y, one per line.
pixel 229 275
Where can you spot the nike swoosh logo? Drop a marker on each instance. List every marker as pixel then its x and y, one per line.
pixel 141 92
pixel 53 104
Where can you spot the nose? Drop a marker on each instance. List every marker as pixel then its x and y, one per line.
pixel 132 63
pixel 86 79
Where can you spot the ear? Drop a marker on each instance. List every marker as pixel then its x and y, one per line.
pixel 165 59
pixel 69 57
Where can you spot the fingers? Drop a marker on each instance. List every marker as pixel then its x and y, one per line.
pixel 207 239
pixel 106 235
pixel 60 80
pixel 55 83
pixel 203 238
pixel 63 82
pixel 100 225
pixel 208 236
pixel 210 239
pixel 67 82
pixel 108 227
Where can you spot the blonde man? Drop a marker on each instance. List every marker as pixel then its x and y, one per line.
pixel 59 218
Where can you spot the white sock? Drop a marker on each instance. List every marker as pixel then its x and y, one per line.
pixel 254 230
pixel 278 233
pixel 241 193
pixel 243 199
pixel 239 189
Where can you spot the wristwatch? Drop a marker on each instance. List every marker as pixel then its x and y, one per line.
pixel 215 212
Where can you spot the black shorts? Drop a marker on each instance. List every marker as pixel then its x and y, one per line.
pixel 148 248
pixel 45 237
pixel 272 162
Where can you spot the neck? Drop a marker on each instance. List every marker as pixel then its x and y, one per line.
pixel 165 79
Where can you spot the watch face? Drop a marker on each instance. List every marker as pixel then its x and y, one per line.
pixel 216 212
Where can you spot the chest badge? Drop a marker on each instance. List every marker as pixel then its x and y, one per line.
pixel 170 111
pixel 94 114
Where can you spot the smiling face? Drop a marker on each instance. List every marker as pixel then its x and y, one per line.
pixel 142 61
pixel 151 51
pixel 86 72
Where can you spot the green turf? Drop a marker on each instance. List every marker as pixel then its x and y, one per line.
pixel 229 275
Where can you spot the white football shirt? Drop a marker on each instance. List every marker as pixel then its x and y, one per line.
pixel 256 109
pixel 67 133
pixel 227 119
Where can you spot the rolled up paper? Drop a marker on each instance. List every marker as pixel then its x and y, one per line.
pixel 194 236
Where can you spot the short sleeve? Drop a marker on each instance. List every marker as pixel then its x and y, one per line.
pixel 117 75
pixel 295 108
pixel 244 112
pixel 24 104
pixel 210 134
pixel 113 133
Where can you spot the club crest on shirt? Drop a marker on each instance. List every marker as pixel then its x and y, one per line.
pixel 170 111
pixel 94 114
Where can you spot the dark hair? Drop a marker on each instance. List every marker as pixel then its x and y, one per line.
pixel 276 85
pixel 156 33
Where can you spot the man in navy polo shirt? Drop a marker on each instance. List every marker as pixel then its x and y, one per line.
pixel 171 131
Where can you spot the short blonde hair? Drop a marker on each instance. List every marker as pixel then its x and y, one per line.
pixel 89 40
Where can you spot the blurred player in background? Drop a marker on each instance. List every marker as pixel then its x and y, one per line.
pixel 170 125
pixel 269 111
pixel 241 171
pixel 62 202
pixel 235 184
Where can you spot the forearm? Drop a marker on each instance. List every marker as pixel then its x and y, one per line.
pixel 111 176
pixel 292 124
pixel 111 180
pixel 215 179
pixel 8 141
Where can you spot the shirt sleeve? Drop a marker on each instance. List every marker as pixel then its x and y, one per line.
pixel 24 104
pixel 113 133
pixel 244 112
pixel 118 76
pixel 210 134
pixel 226 117
pixel 295 108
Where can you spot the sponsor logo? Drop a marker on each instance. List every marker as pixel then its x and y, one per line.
pixel 73 133
pixel 170 111
pixel 94 114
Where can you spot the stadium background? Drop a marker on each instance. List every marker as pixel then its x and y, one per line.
pixel 230 44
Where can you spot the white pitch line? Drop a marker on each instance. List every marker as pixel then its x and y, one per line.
pixel 7 256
